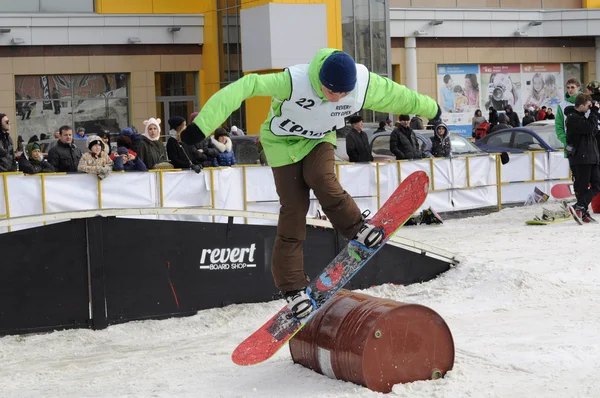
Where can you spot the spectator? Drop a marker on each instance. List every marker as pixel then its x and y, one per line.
pixel 542 114
pixel 549 115
pixel 56 100
pixel 105 137
pixel 381 128
pixel 33 162
pixel 357 142
pixel 95 161
pixel 33 138
pixel 43 137
pixel 527 119
pixel 53 143
pixel 403 141
pixel 223 143
pixel 81 133
pixel 152 151
pixel 181 155
pixel 502 123
pixel 193 116
pixel 493 116
pixel 20 142
pixel 513 118
pixel 477 120
pixel 416 123
pixel 125 160
pixel 389 126
pixel 64 156
pixel 134 138
pixel 583 154
pixel 236 131
pixel 262 156
pixel 440 142
pixel 7 150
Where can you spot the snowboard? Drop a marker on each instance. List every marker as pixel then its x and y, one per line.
pixel 562 191
pixel 278 330
pixel 552 216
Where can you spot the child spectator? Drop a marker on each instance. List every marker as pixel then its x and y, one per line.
pixel 95 161
pixel 223 143
pixel 33 162
pixel 126 160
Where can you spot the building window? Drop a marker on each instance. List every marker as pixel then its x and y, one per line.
pixel 175 96
pixel 230 53
pixel 365 38
pixel 95 102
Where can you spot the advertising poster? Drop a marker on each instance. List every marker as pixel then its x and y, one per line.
pixel 501 86
pixel 542 85
pixel 458 96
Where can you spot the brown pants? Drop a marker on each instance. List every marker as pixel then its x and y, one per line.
pixel 293 183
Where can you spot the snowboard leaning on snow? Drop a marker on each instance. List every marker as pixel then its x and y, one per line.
pixel 273 335
pixel 552 216
pixel 563 191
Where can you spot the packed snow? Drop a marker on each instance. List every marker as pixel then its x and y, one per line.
pixel 523 308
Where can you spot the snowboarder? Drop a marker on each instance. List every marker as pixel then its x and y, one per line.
pixel 309 102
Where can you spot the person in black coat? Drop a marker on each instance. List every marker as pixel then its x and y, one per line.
pixel 357 142
pixel 403 141
pixel 513 118
pixel 583 154
pixel 440 142
pixel 182 155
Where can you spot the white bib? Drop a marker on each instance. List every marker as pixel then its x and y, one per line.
pixel 304 114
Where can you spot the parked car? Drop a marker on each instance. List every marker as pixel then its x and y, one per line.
pixel 460 146
pixel 541 137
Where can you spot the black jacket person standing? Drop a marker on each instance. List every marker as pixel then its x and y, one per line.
pixel 584 155
pixel 403 141
pixel 357 142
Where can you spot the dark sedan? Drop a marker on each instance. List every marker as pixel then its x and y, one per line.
pixel 521 139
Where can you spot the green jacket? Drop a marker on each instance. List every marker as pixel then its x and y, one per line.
pixel 383 95
pixel 559 126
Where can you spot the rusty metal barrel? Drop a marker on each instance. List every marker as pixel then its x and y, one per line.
pixel 375 342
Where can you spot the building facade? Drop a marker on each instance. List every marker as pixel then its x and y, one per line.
pixel 107 64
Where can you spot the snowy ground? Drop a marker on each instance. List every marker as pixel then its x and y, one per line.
pixel 523 309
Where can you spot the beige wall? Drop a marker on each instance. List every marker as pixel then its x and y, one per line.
pixel 428 58
pixel 141 67
pixel 488 3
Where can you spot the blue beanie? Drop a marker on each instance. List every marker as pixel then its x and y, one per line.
pixel 338 73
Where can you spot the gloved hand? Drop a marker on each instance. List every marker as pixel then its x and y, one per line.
pixel 192 134
pixel 197 168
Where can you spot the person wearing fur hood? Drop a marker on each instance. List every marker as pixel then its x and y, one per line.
pixel 95 161
pixel 440 142
pixel 152 151
pixel 223 143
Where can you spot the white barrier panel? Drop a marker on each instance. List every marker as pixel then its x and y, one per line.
pixel 518 168
pixel 360 181
pixel 71 192
pixel 407 168
pixel 443 175
pixel 519 192
pixel 458 170
pixel 260 185
pixel 184 189
pixel 467 199
pixel 540 171
pixel 25 198
pixel 130 189
pixel 440 201
pixel 558 166
pixel 482 171
pixel 229 191
pixel 388 180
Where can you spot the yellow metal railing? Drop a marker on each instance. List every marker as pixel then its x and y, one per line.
pixel 246 202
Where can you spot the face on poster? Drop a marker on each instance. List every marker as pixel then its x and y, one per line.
pixel 542 85
pixel 501 86
pixel 458 96
pixel 458 88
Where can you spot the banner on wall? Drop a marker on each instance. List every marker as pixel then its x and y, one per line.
pixel 501 86
pixel 542 85
pixel 458 96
